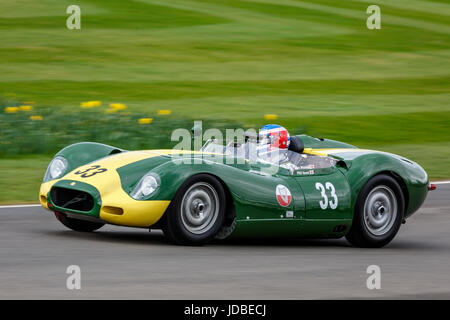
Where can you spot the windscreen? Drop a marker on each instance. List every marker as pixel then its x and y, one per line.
pixel 255 152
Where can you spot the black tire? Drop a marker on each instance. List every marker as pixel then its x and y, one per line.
pixel 362 232
pixel 175 224
pixel 78 225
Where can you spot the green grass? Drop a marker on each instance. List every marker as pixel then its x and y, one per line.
pixel 21 177
pixel 312 62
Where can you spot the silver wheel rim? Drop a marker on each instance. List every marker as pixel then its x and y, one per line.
pixel 199 208
pixel 380 210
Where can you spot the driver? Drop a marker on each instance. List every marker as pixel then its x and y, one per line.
pixel 273 143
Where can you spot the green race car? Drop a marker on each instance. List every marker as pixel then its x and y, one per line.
pixel 322 189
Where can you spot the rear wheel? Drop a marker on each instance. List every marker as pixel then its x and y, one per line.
pixel 378 213
pixel 78 225
pixel 197 211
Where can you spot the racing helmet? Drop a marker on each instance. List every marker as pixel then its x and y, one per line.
pixel 274 136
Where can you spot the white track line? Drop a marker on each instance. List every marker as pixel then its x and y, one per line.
pixel 441 182
pixel 20 206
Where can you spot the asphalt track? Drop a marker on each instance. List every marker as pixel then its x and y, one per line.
pixel 126 263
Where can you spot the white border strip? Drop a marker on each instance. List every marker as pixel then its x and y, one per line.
pixel 441 182
pixel 20 206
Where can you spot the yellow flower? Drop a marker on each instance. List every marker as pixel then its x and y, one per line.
pixel 110 110
pixel 164 112
pixel 118 106
pixel 270 117
pixel 34 118
pixel 90 104
pixel 11 109
pixel 145 120
pixel 26 108
pixel 86 105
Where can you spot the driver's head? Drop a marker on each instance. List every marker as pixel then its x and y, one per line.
pixel 274 136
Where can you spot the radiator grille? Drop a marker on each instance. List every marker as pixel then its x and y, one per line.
pixel 72 199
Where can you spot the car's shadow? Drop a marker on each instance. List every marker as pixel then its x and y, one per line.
pixel 130 237
pixel 156 237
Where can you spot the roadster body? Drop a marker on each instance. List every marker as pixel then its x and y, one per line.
pixel 326 189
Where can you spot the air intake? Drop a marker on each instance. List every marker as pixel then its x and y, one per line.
pixel 72 199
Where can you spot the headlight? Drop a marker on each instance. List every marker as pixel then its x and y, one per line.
pixel 56 168
pixel 146 186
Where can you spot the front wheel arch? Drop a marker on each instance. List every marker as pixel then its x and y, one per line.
pixel 172 223
pixel 360 233
pixel 230 211
pixel 402 185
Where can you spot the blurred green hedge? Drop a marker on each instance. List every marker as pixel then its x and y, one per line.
pixel 20 135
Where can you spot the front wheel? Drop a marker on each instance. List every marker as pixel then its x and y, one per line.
pixel 78 225
pixel 378 213
pixel 197 211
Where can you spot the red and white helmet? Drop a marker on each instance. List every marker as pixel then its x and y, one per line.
pixel 275 136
